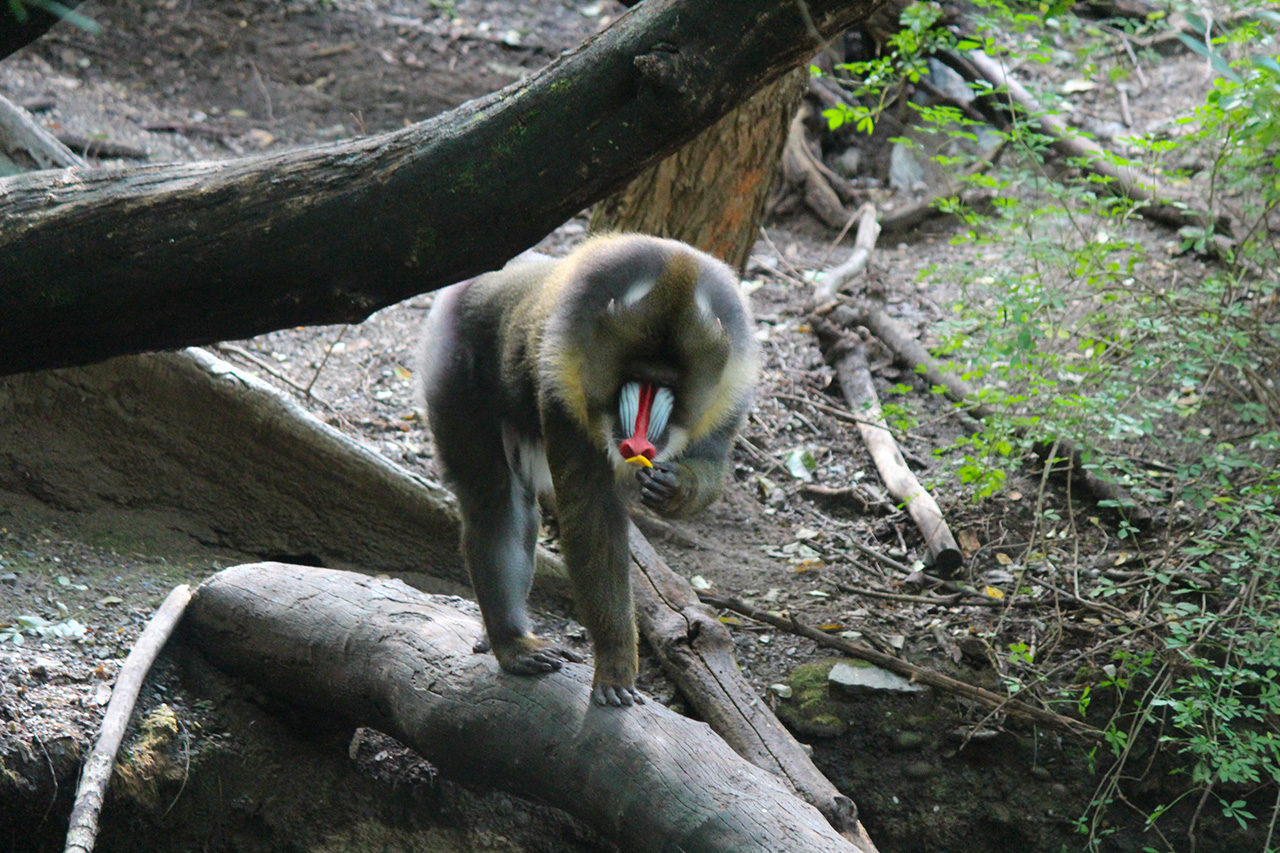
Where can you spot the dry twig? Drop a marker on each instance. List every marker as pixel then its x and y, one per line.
pixel 986 698
pixel 98 766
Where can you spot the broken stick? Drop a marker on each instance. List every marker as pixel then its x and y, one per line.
pixel 98 766
pixel 863 244
pixel 848 356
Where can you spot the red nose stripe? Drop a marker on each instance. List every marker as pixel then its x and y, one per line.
pixel 638 444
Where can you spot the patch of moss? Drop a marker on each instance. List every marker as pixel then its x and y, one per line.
pixel 810 710
pixel 146 766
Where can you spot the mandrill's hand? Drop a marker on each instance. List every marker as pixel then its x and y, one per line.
pixel 659 485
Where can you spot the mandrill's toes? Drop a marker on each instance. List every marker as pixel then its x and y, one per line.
pixel 531 656
pixel 615 695
pixel 555 657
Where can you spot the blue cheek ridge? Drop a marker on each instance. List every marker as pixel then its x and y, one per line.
pixel 629 407
pixel 660 413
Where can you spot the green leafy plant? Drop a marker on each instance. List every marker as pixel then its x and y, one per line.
pixel 19 10
pixel 1078 327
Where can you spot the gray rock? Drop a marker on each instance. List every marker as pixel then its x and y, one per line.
pixel 852 679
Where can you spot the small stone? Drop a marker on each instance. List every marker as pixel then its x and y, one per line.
pixel 46 668
pixel 782 691
pixel 919 770
pixel 847 163
pixel 855 679
pixel 975 650
pixel 908 740
pixel 1041 773
pixel 905 171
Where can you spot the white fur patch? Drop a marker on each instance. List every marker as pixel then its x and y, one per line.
pixel 704 304
pixel 636 292
pixel 660 412
pixel 527 459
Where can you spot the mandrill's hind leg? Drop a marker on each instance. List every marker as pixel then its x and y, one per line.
pixel 499 533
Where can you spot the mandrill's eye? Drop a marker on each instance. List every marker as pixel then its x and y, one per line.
pixel 636 399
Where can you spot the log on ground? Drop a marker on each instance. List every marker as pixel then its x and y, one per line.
pixel 696 652
pixel 848 356
pixel 212 453
pixel 378 653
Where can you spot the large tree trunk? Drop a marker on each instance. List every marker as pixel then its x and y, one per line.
pixel 381 654
pixel 712 192
pixel 104 263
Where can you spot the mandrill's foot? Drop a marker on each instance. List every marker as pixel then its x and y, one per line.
pixel 532 656
pixel 615 682
pixel 616 695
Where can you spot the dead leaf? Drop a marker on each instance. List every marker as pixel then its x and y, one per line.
pixel 101 694
pixel 259 138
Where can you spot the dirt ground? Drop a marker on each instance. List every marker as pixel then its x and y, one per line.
pixel 184 81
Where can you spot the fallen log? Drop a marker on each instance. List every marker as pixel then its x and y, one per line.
pixel 849 359
pixel 378 653
pixel 1156 203
pixel 213 453
pixel 107 262
pixel 696 652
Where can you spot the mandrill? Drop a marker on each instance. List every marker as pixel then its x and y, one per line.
pixel 632 354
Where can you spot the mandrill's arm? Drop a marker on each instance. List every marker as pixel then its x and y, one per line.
pixel 593 538
pixel 684 487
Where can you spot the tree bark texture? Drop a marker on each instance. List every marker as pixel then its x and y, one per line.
pixel 711 193
pixel 216 453
pixel 378 653
pixel 95 264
